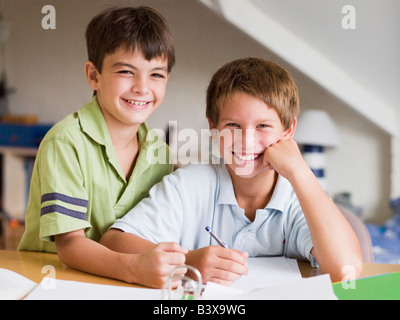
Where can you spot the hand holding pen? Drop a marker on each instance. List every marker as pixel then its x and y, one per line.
pixel 218 263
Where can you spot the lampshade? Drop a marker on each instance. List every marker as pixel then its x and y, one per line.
pixel 316 128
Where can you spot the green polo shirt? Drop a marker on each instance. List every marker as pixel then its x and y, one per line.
pixel 77 181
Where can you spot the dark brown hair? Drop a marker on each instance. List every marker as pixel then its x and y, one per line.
pixel 258 78
pixel 130 28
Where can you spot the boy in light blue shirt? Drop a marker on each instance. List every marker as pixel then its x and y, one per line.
pixel 197 196
pixel 263 200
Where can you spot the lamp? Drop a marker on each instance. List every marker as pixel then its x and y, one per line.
pixel 316 131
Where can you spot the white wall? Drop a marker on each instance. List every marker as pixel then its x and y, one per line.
pixel 46 69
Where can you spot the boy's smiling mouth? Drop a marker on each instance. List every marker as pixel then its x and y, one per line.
pixel 247 157
pixel 137 103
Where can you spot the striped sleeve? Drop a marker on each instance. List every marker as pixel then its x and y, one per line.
pixel 64 204
pixel 60 203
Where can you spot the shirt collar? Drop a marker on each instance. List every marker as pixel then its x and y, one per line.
pixel 93 123
pixel 280 195
pixel 227 195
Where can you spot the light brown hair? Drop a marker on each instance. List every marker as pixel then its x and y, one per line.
pixel 258 78
pixel 130 28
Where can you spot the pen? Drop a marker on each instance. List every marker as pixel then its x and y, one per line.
pixel 220 242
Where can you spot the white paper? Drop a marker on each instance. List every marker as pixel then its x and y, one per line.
pixel 273 278
pixel 13 286
pixel 74 290
pixel 313 288
pixel 268 271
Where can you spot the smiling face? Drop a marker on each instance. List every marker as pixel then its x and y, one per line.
pixel 129 88
pixel 246 127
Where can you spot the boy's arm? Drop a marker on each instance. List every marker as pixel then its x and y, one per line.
pixel 335 244
pixel 151 267
pixel 125 242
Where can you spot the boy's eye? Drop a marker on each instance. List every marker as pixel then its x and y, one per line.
pixel 158 75
pixel 127 72
pixel 233 126
pixel 263 126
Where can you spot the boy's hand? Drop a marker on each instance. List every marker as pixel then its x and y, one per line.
pixel 285 157
pixel 154 266
pixel 218 264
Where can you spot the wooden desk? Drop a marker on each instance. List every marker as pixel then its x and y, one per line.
pixel 30 265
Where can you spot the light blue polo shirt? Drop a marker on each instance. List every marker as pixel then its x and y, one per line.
pixel 199 195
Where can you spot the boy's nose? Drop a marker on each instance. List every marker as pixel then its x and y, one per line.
pixel 140 86
pixel 247 140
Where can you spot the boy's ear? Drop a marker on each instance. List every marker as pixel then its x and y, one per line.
pixel 92 75
pixel 289 133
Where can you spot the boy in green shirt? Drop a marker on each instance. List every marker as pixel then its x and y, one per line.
pixel 92 167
